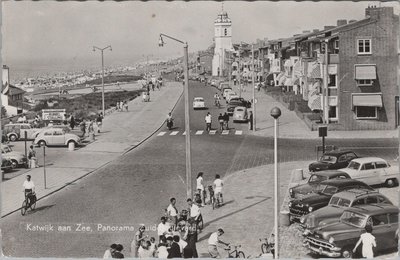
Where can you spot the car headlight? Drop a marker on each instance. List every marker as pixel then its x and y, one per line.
pixel 290 204
pixel 291 192
pixel 302 220
pixel 306 232
pixel 331 240
pixel 310 209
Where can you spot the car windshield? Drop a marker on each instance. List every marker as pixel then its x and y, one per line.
pixel 328 159
pixel 353 165
pixel 315 178
pixel 198 99
pixel 353 219
pixel 239 110
pixel 328 190
pixel 341 202
pixel 6 149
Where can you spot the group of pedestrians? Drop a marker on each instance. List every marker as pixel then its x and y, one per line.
pixel 223 120
pixel 91 126
pixel 122 106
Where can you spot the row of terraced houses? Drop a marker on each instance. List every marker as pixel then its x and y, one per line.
pixel 348 72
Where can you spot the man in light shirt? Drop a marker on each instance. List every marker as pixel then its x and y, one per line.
pixel 208 120
pixel 218 183
pixel 29 190
pixel 163 228
pixel 173 213
pixel 109 252
pixel 194 209
pixel 213 243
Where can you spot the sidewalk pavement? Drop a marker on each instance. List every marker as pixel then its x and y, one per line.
pixel 136 126
pixel 291 126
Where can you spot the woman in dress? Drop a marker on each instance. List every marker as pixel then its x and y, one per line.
pixel 139 236
pixel 368 242
pixel 200 187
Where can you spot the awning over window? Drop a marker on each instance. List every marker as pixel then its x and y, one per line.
pixel 314 103
pixel 365 72
pixel 369 100
pixel 316 72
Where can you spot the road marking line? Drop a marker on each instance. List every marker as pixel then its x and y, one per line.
pixel 238 132
pixel 212 132
pixel 161 133
pixel 199 132
pixel 225 132
pixel 174 133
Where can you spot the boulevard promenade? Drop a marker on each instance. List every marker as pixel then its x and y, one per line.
pixel 134 127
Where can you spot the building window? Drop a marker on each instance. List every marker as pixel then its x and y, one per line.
pixel 336 47
pixel 332 81
pixel 364 46
pixel 364 82
pixel 333 112
pixel 366 112
pixel 225 32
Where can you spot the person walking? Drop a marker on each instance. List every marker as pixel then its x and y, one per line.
pixel 174 250
pixel 172 213
pixel 221 122
pixel 226 121
pixel 200 187
pixel 126 105
pixel 218 183
pixel 139 236
pixel 163 229
pixel 250 120
pixel 99 121
pixel 208 120
pixel 368 243
pixel 72 122
pixel 83 128
pixel 213 242
pixel 110 252
pixel 32 157
pixel 190 237
pixel 117 107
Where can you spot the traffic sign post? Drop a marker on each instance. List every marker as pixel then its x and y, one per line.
pixel 323 132
pixel 44 165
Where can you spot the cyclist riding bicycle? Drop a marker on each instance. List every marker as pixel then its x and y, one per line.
pixel 216 99
pixel 29 190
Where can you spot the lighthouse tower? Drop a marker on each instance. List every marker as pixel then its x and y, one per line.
pixel 223 41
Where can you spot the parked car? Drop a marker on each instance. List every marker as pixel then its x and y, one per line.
pixel 339 238
pixel 338 203
pixel 198 103
pixel 225 91
pixel 66 128
pixel 244 102
pixel 240 114
pixel 16 158
pixel 54 136
pixel 6 165
pixel 233 104
pixel 16 131
pixel 230 95
pixel 314 181
pixel 372 171
pixel 332 160
pixel 224 85
pixel 321 198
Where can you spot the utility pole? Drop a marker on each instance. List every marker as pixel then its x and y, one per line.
pixel 254 92
pixel 239 73
pixel 326 108
pixel 102 74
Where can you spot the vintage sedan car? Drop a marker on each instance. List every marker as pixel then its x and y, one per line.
pixel 198 103
pixel 233 104
pixel 332 160
pixel 373 171
pixel 314 181
pixel 224 85
pixel 66 128
pixel 56 137
pixel 245 103
pixel 6 165
pixel 339 238
pixel 338 203
pixel 321 198
pixel 230 96
pixel 16 158
pixel 240 114
pixel 225 91
pixel 17 131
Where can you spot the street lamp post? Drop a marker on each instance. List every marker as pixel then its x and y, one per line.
pixel 189 189
pixel 239 74
pixel 254 92
pixel 276 113
pixel 102 73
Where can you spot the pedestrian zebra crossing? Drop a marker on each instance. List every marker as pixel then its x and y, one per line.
pixel 202 132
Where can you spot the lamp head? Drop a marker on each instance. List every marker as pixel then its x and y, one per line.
pixel 160 41
pixel 275 112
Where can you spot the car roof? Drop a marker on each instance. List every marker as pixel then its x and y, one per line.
pixel 198 98
pixel 338 152
pixel 374 209
pixel 368 159
pixel 330 173
pixel 239 107
pixel 341 182
pixel 354 193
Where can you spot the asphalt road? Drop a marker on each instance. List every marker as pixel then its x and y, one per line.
pixel 136 188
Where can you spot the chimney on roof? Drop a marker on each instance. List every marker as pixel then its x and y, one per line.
pixel 379 12
pixel 306 31
pixel 341 22
pixel 315 30
pixel 328 27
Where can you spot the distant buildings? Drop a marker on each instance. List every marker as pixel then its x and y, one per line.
pixel 11 96
pixel 222 41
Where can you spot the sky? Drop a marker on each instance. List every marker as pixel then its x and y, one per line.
pixel 60 33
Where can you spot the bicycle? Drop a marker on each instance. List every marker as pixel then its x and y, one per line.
pixel 267 247
pixel 235 253
pixel 27 201
pixel 212 197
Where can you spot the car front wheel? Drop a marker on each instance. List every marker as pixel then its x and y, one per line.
pixel 13 138
pixel 347 252
pixel 390 183
pixel 14 164
pixel 42 143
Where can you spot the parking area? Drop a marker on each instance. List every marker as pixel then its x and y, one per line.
pixel 291 236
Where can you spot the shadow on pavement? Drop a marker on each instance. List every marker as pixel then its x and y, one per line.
pixel 40 208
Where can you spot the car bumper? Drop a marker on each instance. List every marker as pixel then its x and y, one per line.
pixel 335 252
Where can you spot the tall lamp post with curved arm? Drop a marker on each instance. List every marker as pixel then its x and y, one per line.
pixel 161 43
pixel 102 73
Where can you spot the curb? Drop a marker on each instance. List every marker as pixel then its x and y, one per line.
pixel 102 166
